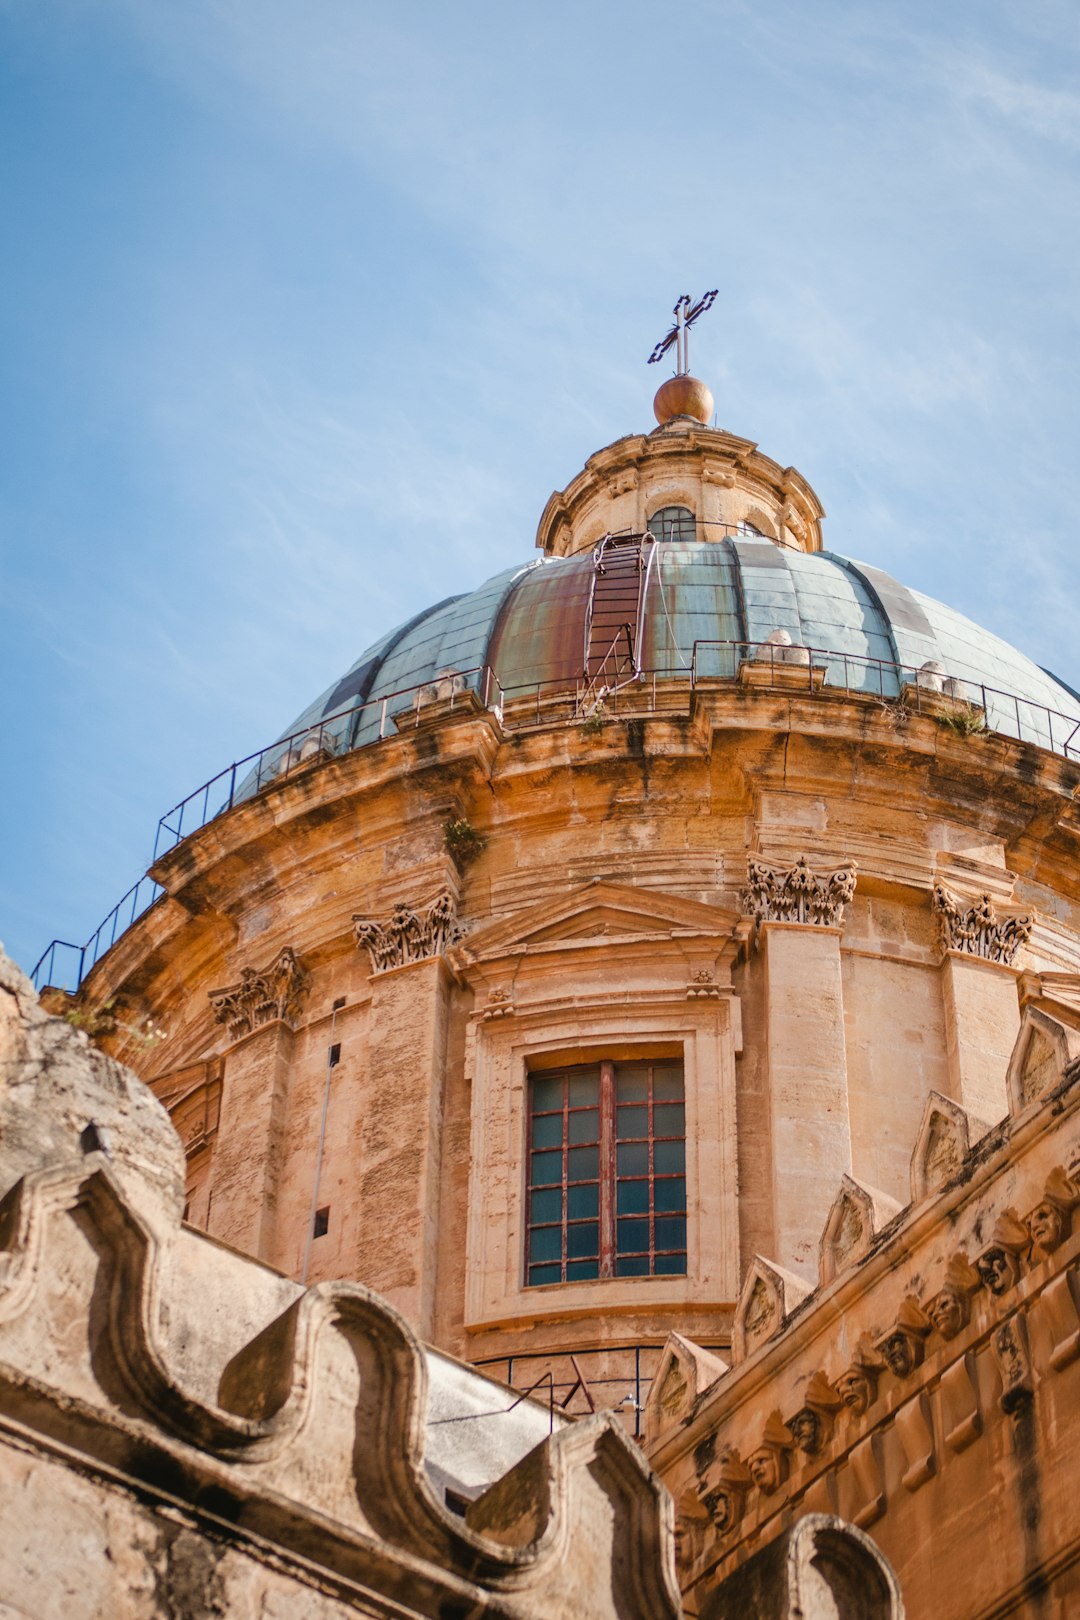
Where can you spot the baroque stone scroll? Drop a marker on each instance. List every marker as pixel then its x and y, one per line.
pixel 797 894
pixel 262 995
pixel 977 930
pixel 408 935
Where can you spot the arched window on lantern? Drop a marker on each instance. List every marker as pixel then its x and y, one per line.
pixel 673 523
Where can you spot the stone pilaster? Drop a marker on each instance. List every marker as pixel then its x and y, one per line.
pixel 400 1136
pixel 258 1013
pixel 982 1020
pixel 982 1006
pixel 808 1097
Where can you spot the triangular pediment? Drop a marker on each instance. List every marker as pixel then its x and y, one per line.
pixel 600 911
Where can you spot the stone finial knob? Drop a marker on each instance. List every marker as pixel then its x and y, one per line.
pixel 683 396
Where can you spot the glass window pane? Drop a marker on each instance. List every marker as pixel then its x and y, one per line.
pixel 544 1274
pixel 547 1131
pixel 546 1169
pixel 671 1232
pixel 582 1268
pixel 631 1082
pixel 583 1201
pixel 670 1265
pixel 669 1120
pixel 585 1089
pixel 673 523
pixel 667 1082
pixel 583 1240
pixel 545 1243
pixel 631 1236
pixel 585 1127
pixel 631 1122
pixel 669 1194
pixel 545 1206
pixel 669 1156
pixel 546 1094
pixel 632 1265
pixel 632 1198
pixel 583 1164
pixel 633 1158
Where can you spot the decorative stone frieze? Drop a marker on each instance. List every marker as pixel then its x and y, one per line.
pixel 977 930
pixel 797 894
pixel 703 986
pixel 408 935
pixel 263 995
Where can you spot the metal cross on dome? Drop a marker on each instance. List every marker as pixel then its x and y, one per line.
pixel 685 314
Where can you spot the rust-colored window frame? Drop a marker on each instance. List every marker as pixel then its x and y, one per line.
pixel 612 1177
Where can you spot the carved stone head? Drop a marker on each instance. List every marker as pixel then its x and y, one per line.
pixel 1048 1224
pixel 999 1268
pixel 724 1503
pixel 901 1347
pixel 950 1308
pixel 856 1389
pixel 902 1353
pixel 768 1465
pixel 806 1426
pixel 948 1312
pixel 999 1264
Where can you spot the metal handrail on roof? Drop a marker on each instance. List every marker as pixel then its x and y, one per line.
pixel 1003 713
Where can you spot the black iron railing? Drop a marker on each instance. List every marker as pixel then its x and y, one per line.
pixel 665 689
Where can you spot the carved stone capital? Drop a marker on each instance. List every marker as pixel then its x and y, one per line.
pixel 408 935
pixel 262 995
pixel 797 893
pixel 976 929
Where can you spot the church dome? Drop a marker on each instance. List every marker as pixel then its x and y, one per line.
pixel 695 609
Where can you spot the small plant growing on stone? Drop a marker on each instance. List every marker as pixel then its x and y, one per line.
pixel 966 719
pixel 596 719
pixel 895 713
pixel 97 1022
pixel 462 841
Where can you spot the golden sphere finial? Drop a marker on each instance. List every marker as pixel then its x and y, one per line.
pixel 683 396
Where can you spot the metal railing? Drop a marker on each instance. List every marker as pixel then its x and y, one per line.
pixel 622 1392
pixel 918 686
pixel 663 690
pixel 335 734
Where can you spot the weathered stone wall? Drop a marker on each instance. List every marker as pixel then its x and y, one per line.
pixel 928 1389
pixel 183 1432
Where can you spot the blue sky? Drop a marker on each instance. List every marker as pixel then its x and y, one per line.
pixel 307 305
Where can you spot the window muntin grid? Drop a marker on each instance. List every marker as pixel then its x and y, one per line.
pixel 606 1172
pixel 673 523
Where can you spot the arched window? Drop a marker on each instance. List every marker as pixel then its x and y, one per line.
pixel 673 523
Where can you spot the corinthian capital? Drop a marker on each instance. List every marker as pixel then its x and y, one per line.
pixel 797 893
pixel 262 995
pixel 977 929
pixel 408 935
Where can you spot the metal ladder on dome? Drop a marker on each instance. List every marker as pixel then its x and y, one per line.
pixel 614 617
